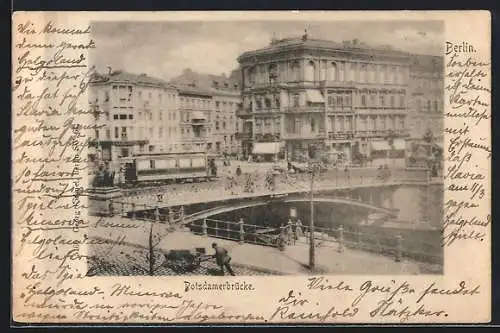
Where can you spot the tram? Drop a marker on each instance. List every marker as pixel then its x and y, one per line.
pixel 168 168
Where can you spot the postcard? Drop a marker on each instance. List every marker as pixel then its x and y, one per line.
pixel 251 167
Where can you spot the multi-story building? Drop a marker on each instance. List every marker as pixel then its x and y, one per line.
pixel 426 102
pixel 344 98
pixel 137 114
pixel 215 98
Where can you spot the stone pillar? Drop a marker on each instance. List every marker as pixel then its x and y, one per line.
pixel 133 210
pixel 181 214
pixel 399 248
pixel 340 248
pixel 204 227
pixel 111 208
pixel 171 216
pixel 157 214
pixel 242 231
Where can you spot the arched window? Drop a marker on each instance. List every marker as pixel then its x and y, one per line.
pixel 371 74
pixel 309 71
pixel 352 73
pixel 341 70
pixel 272 71
pixel 362 73
pixel 295 71
pixel 332 72
pixel 382 74
pixel 251 75
pixel 322 71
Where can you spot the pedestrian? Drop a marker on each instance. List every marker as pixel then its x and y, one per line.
pixel 238 171
pixel 222 258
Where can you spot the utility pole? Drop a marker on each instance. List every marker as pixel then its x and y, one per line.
pixel 312 258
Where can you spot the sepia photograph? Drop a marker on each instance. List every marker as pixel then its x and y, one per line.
pixel 266 148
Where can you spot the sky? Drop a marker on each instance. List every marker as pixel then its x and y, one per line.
pixel 164 49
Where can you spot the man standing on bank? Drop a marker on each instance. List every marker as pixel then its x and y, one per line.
pixel 222 258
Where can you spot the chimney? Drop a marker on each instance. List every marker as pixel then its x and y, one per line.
pixel 109 70
pixel 355 41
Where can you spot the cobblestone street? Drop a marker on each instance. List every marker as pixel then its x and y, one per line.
pixel 125 260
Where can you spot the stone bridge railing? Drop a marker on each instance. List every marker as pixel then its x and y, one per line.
pixel 256 185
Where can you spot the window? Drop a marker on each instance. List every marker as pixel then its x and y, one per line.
pixel 340 101
pixel 160 115
pixel 313 125
pixel 124 132
pixel 123 116
pixel 428 105
pixel 435 105
pixel 115 116
pixel 382 100
pixel 224 125
pixel 124 152
pixel 268 102
pixel 130 116
pixel 97 134
pixel 363 100
pixel 160 132
pixel 151 148
pixel 216 125
pixel 419 105
pixel 392 101
pixel 402 101
pixel 117 134
pixel 106 96
pixel 152 164
pixel 372 101
pixel 108 134
pixel 296 100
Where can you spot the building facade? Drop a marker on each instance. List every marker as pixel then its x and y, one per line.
pixel 346 99
pixel 217 97
pixel 427 91
pixel 137 114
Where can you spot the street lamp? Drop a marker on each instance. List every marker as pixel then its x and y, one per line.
pixel 312 255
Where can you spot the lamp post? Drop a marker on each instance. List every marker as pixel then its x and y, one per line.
pixel 312 253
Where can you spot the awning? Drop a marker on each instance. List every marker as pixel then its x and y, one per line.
pixel 314 96
pixel 399 144
pixel 197 115
pixel 266 148
pixel 380 145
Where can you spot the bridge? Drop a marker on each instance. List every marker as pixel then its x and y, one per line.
pixel 165 197
pixel 294 198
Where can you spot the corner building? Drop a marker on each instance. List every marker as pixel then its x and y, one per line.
pixel 345 99
pixel 138 114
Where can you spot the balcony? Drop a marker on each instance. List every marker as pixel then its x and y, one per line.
pixel 243 135
pixel 340 135
pixel 243 112
pixel 340 109
pixel 383 133
pixel 305 109
pixel 304 136
pixel 267 110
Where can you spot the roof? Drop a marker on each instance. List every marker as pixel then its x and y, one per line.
pixel 120 76
pixel 426 63
pixel 190 80
pixel 306 41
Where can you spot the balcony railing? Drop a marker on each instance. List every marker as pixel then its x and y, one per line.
pixel 304 109
pixel 341 135
pixel 243 112
pixel 267 110
pixel 340 109
pixel 298 136
pixel 243 135
pixel 382 133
